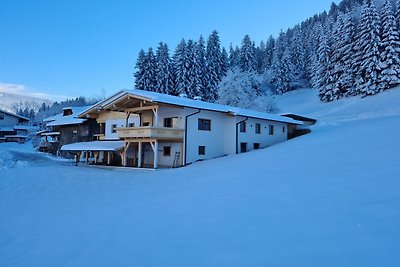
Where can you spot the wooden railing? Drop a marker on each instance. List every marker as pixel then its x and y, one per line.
pixel 150 132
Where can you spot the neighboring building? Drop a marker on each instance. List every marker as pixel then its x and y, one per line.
pixel 66 128
pixel 160 130
pixel 299 130
pixel 10 127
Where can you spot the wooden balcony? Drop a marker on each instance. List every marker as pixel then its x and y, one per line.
pixel 150 133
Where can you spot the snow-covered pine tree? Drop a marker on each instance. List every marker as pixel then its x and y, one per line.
pixel 398 13
pixel 149 71
pixel 345 49
pixel 367 57
pixel 324 68
pixel 247 55
pixel 390 47
pixel 193 71
pixel 139 73
pixel 234 55
pixel 164 70
pixel 202 70
pixel 181 65
pixel 225 62
pixel 312 50
pixel 214 66
pixel 338 68
pixel 297 54
pixel 260 57
pixel 282 73
pixel 269 48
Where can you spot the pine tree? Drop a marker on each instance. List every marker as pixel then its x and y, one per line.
pixel 367 58
pixel 337 57
pixel 225 62
pixel 398 13
pixel 149 75
pixel 390 47
pixel 202 71
pixel 193 71
pixel 214 66
pixel 260 57
pixel 247 61
pixel 282 73
pixel 324 68
pixel 269 48
pixel 139 74
pixel 181 65
pixel 164 71
pixel 345 50
pixel 298 54
pixel 234 55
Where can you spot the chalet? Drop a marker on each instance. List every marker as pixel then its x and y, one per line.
pixel 66 128
pixel 147 129
pixel 11 128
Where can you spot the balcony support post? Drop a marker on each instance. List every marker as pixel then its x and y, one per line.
pixel 155 122
pixel 139 154
pixel 155 163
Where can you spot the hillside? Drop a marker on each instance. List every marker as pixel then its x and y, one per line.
pixel 9 101
pixel 329 198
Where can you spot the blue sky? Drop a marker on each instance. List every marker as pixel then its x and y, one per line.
pixel 89 48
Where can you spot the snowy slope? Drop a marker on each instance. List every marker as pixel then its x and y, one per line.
pixel 330 198
pixel 8 101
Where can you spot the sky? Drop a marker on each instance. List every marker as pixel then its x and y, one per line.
pixel 59 49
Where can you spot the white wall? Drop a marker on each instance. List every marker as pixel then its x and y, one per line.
pixel 109 135
pixel 264 138
pixel 9 121
pixel 168 112
pixel 213 140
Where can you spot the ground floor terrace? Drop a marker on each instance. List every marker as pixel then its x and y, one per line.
pixel 140 153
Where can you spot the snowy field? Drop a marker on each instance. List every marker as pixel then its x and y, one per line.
pixel 330 198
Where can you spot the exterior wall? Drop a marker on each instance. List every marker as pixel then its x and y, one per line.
pixel 168 161
pixel 118 118
pixel 8 121
pixel 212 140
pixel 168 112
pixel 221 140
pixel 264 138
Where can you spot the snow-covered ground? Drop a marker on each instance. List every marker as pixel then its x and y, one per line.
pixel 330 198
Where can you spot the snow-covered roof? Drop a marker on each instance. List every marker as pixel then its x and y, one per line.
pixel 198 104
pixel 15 136
pixel 15 115
pixel 66 120
pixel 59 119
pixel 6 129
pixel 94 146
pixel 50 133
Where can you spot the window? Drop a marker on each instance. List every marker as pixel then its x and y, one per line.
pixel 113 128
pixel 243 127
pixel 131 124
pixel 283 129
pixel 271 130
pixel 243 147
pixel 256 146
pixel 202 150
pixel 146 123
pixel 168 122
pixel 1 116
pixel 167 151
pixel 204 125
pixel 258 128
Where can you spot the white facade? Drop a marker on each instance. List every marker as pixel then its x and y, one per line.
pixel 165 130
pixel 7 120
